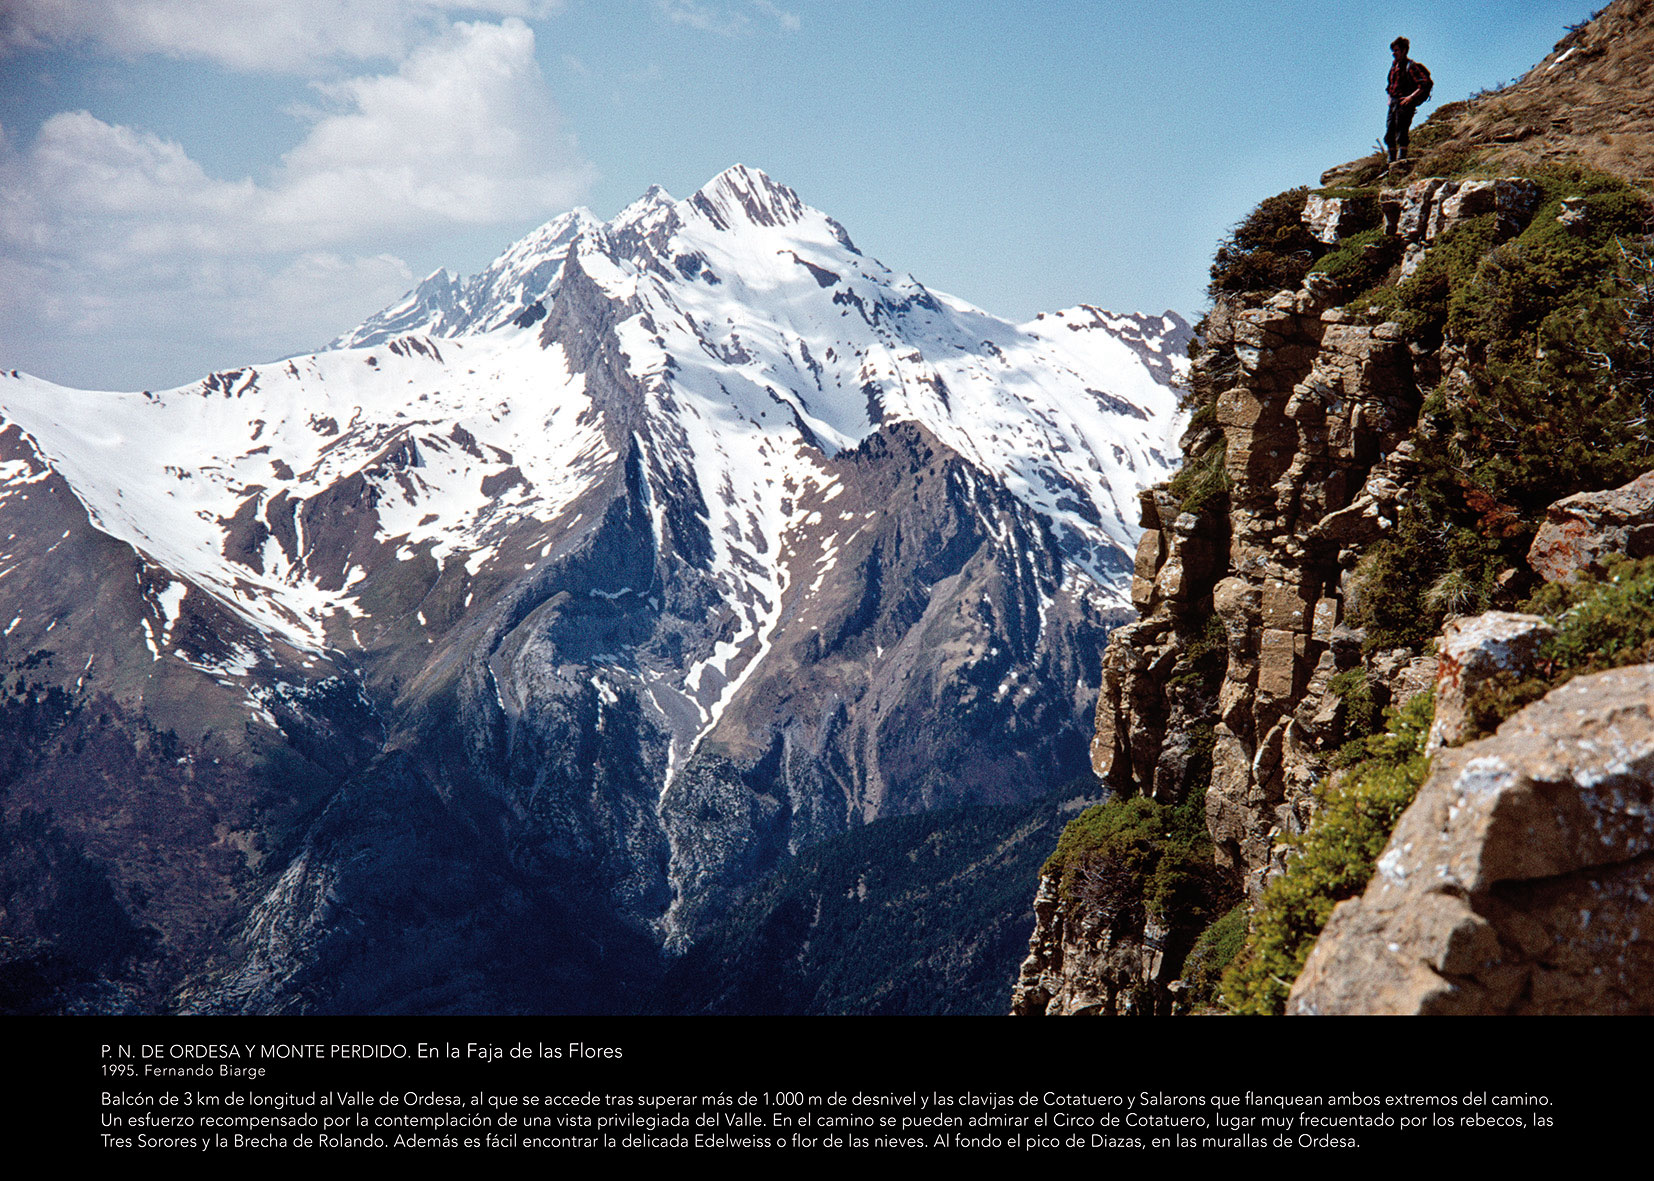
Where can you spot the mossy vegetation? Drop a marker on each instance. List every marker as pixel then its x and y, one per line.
pixel 1131 860
pixel 1363 715
pixel 1362 260
pixel 1202 483
pixel 1332 860
pixel 1201 658
pixel 1213 952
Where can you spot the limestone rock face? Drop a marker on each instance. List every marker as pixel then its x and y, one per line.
pixel 1077 967
pixel 1471 651
pixel 1329 218
pixel 1314 413
pixel 1427 208
pixel 1522 878
pixel 1582 531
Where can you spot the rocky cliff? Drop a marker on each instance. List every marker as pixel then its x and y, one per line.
pixel 1398 373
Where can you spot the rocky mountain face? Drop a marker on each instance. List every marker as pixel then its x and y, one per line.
pixel 472 662
pixel 1283 579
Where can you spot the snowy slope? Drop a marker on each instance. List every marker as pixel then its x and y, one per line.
pixel 169 472
pixel 758 338
pixel 589 589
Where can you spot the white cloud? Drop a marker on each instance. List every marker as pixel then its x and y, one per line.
pixel 255 35
pixel 787 20
pixel 727 18
pixel 166 322
pixel 308 299
pixel 105 227
pixel 464 132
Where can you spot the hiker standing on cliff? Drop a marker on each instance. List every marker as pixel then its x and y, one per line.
pixel 1408 88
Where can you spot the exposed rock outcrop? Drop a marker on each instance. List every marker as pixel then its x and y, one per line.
pixel 1312 412
pixel 1424 210
pixel 1581 532
pixel 1471 653
pixel 1522 878
pixel 1313 427
pixel 1079 967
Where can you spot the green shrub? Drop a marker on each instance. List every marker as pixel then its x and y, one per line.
pixel 1363 716
pixel 1203 481
pixel 1361 261
pixel 1420 302
pixel 1135 858
pixel 1608 621
pixel 1269 250
pixel 1403 577
pixel 1202 656
pixel 1554 397
pixel 1447 160
pixel 1601 623
pixel 1331 860
pixel 1361 208
pixel 1212 954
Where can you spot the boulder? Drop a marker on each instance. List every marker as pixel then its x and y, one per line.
pixel 1427 208
pixel 1521 880
pixel 1329 218
pixel 1472 651
pixel 1581 532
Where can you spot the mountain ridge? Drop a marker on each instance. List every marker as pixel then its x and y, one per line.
pixel 685 541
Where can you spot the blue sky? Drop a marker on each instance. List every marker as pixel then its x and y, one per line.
pixel 188 185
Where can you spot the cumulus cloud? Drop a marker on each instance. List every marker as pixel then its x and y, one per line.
pixel 464 131
pixel 254 35
pixel 103 225
pixel 165 322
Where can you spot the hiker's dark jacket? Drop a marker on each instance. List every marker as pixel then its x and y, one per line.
pixel 1406 76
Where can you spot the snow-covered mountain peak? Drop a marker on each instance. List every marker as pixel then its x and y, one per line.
pixel 735 343
pixel 741 195
pixel 701 534
pixel 744 314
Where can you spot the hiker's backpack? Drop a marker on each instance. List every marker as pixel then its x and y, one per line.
pixel 1422 79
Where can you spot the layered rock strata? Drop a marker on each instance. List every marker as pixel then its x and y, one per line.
pixel 1313 422
pixel 1081 966
pixel 1314 413
pixel 1314 416
pixel 1314 430
pixel 1582 532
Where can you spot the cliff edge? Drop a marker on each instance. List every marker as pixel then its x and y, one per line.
pixel 1403 374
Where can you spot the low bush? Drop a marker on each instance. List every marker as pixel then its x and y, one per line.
pixel 1601 623
pixel 1202 482
pixel 1553 395
pixel 1269 250
pixel 1134 859
pixel 1213 952
pixel 1363 715
pixel 1361 261
pixel 1331 860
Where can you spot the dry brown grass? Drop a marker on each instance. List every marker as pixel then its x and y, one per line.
pixel 1591 102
